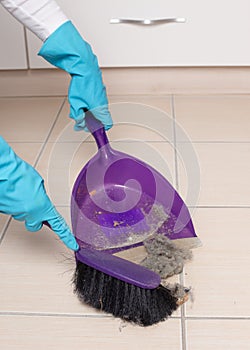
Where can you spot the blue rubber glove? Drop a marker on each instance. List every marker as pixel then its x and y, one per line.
pixel 22 195
pixel 66 49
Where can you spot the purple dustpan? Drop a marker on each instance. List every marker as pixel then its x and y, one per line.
pixel 118 201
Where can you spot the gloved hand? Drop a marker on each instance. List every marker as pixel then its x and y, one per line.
pixel 66 49
pixel 23 196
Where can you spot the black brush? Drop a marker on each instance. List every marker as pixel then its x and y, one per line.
pixel 121 288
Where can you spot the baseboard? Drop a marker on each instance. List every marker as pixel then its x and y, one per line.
pixel 132 81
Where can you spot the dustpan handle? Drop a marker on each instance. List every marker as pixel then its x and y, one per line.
pixel 96 128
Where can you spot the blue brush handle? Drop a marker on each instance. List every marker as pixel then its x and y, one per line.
pixel 96 128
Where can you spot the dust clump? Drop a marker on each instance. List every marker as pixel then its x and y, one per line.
pixel 164 257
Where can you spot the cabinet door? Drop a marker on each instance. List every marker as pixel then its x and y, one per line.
pixel 34 45
pixel 13 53
pixel 215 32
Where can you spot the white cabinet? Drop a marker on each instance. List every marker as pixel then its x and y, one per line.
pixel 34 45
pixel 13 51
pixel 215 33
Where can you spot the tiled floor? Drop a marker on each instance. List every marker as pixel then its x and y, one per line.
pixel 38 309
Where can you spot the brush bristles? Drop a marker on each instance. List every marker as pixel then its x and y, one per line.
pixel 144 307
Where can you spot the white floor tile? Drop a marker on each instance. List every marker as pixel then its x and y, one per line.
pixel 28 333
pixel 28 119
pixel 213 118
pixel 219 272
pixel 27 151
pixel 134 119
pixel 40 268
pixel 220 170
pixel 218 334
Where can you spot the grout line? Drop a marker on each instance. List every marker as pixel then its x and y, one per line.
pixel 222 318
pixel 183 317
pixel 5 228
pixel 131 95
pixel 220 206
pixel 181 278
pixel 132 141
pixel 214 141
pixel 45 314
pixel 174 142
pixel 24 142
pixel 63 206
pixel 26 48
pixel 158 141
pixel 32 96
pixel 52 314
pixel 112 141
pixel 49 133
pixel 197 206
pixel 146 140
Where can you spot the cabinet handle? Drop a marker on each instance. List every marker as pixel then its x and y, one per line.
pixel 147 21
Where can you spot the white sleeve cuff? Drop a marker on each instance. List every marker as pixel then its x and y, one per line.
pixel 42 17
